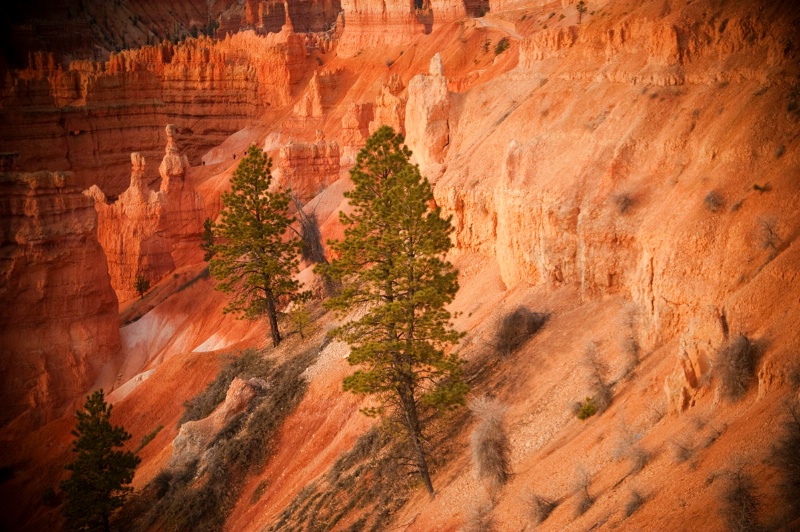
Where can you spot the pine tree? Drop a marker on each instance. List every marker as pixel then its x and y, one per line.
pixel 207 244
pixel 581 8
pixel 254 254
pixel 390 263
pixel 142 285
pixel 100 474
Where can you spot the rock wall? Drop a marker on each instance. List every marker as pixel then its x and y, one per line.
pixel 59 323
pixel 89 117
pixel 151 233
pixel 369 24
pixel 390 106
pixel 427 115
pixel 355 130
pixel 308 168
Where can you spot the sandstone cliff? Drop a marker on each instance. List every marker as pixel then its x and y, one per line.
pixel 59 322
pixel 151 233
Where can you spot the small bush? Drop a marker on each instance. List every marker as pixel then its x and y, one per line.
pixel 739 503
pixel 785 457
pixel 541 508
pixel 634 503
pixel 479 519
pixel 489 442
pixel 517 328
pixel 623 201
pixel 713 201
pixel 502 46
pixel 736 364
pixel 586 409
pixel 682 451
pixel 596 371
pixel 629 448
pixel 583 500
pixel 147 438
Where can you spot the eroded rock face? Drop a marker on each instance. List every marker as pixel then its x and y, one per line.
pixel 355 130
pixel 390 106
pixel 308 168
pixel 151 233
pixel 369 24
pixel 91 115
pixel 59 321
pixel 427 118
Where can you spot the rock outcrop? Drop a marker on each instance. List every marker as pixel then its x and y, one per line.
pixel 427 118
pixel 58 322
pixel 308 168
pixel 390 106
pixel 150 233
pixel 194 437
pixel 370 25
pixel 355 130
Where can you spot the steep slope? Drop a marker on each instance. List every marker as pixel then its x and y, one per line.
pixel 633 176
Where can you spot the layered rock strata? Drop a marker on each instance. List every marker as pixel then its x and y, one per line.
pixel 370 25
pixel 90 116
pixel 308 168
pixel 390 106
pixel 58 324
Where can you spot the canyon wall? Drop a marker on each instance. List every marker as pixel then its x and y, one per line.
pixel 89 117
pixel 308 168
pixel 59 325
pixel 370 25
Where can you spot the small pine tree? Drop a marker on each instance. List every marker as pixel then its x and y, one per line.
pixel 208 240
pixel 581 7
pixel 254 254
pixel 100 474
pixel 391 262
pixel 142 285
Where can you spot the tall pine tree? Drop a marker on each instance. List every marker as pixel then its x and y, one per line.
pixel 391 263
pixel 100 473
pixel 253 254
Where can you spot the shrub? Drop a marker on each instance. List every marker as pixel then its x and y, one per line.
pixel 785 457
pixel 739 503
pixel 502 46
pixel 586 409
pixel 596 371
pixel 489 442
pixel 736 364
pixel 629 448
pixel 623 201
pixel 682 451
pixel 634 503
pixel 479 518
pixel 713 201
pixel 541 508
pixel 583 500
pixel 517 328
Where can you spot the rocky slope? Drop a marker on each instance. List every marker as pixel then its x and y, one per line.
pixel 633 176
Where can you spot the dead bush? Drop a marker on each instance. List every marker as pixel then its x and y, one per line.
pixel 739 503
pixel 623 201
pixel 312 250
pixel 517 328
pixel 682 450
pixel 583 500
pixel 713 201
pixel 596 371
pixel 629 448
pixel 479 519
pixel 634 503
pixel 785 457
pixel 541 508
pixel 489 442
pixel 736 366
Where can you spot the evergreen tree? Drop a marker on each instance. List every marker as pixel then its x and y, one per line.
pixel 581 8
pixel 390 262
pixel 208 240
pixel 142 285
pixel 100 474
pixel 254 254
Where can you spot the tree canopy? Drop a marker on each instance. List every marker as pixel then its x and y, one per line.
pixel 253 255
pixel 100 473
pixel 391 264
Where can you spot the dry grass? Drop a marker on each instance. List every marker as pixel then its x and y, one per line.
pixel 489 443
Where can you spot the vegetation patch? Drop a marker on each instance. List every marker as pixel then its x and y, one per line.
pixel 736 364
pixel 516 328
pixel 199 496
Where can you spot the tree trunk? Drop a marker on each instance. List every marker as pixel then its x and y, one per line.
pixel 273 317
pixel 412 424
